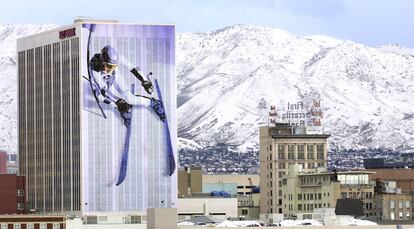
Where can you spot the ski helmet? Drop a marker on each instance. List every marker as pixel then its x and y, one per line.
pixel 109 55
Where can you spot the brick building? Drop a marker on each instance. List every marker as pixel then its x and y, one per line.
pixel 404 178
pixel 3 162
pixel 13 197
pixel 33 221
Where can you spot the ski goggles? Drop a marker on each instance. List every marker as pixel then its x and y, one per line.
pixel 110 67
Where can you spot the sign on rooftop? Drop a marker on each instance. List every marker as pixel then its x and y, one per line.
pixel 297 113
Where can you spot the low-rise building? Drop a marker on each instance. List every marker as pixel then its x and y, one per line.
pixel 394 206
pixel 221 208
pixel 305 191
pixel 36 221
pixel 3 162
pixel 244 186
pixel 13 196
pixel 190 180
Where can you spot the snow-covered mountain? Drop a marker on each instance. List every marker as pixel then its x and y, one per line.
pixel 8 79
pixel 223 75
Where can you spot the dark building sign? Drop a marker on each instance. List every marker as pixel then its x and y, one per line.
pixel 67 33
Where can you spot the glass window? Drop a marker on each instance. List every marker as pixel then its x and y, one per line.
pixel 319 151
pixel 20 192
pixel 301 151
pixel 3 226
pixel 30 226
pixel 392 204
pixel 309 149
pixel 282 166
pixel 400 215
pixel 407 204
pixel 281 151
pixel 299 196
pixel 299 207
pixel 16 226
pixel 43 226
pixel 392 216
pixel 291 150
pixel 56 226
pixel 400 204
pixel 20 206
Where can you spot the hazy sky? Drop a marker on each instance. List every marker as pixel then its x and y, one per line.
pixel 371 22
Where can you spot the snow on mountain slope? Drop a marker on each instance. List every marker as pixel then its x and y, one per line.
pixel 223 75
pixel 8 79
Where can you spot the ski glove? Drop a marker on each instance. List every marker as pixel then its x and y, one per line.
pixel 158 108
pixel 148 87
pixel 123 106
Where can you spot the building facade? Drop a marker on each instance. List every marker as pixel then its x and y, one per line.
pixel 280 147
pixel 221 208
pixel 79 149
pixel 13 196
pixel 3 162
pixel 34 222
pixel 394 206
pixel 244 186
pixel 403 177
pixel 305 191
pixel 190 180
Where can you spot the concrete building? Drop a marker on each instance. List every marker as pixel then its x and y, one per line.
pixel 190 181
pixel 392 203
pixel 78 151
pixel 305 191
pixel 12 194
pixel 280 147
pixel 244 186
pixel 395 206
pixel 221 208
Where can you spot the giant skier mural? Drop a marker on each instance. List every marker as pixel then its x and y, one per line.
pixel 130 128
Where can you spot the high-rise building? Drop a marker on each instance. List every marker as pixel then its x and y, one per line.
pixel 281 146
pixel 97 117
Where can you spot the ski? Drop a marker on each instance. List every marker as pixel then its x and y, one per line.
pixel 124 160
pixel 170 152
pixel 91 28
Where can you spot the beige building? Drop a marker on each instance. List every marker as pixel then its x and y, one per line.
pixel 242 182
pixel 394 206
pixel 217 207
pixel 241 185
pixel 305 191
pixel 190 180
pixel 392 202
pixel 280 147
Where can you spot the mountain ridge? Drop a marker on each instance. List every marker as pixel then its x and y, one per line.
pixel 228 78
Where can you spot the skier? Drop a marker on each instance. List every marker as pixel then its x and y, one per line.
pixel 111 91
